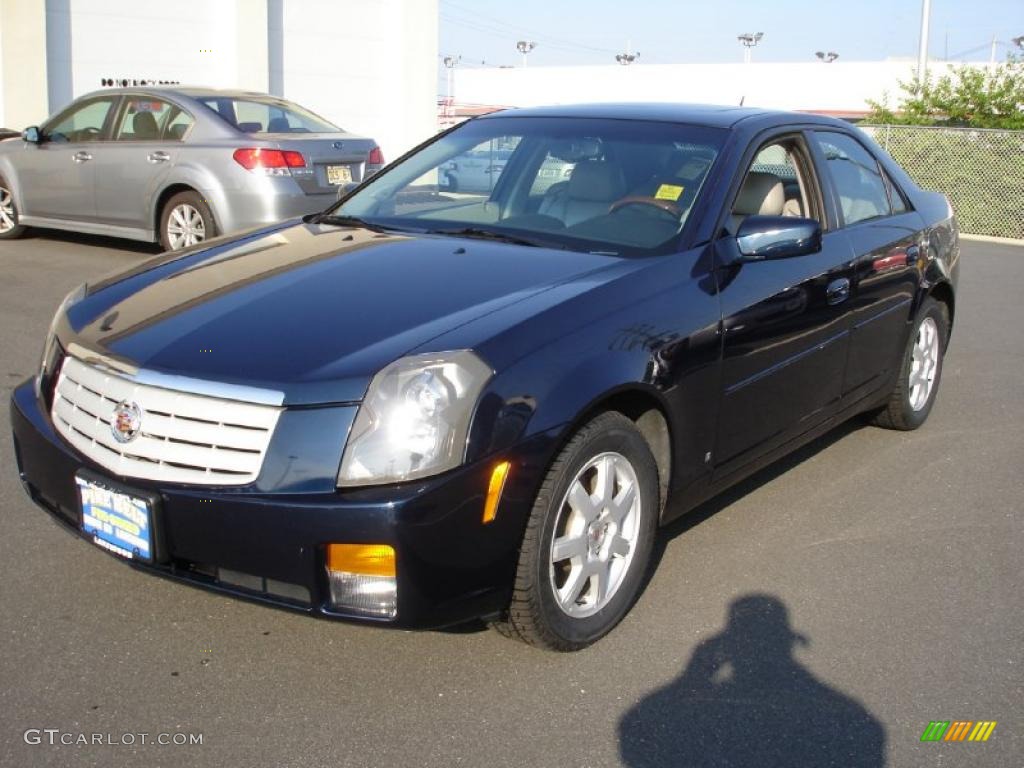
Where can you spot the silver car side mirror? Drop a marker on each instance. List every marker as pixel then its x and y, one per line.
pixel 32 135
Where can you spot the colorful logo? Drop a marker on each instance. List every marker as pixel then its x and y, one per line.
pixel 126 421
pixel 958 730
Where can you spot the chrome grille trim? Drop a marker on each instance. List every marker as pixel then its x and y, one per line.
pixel 184 437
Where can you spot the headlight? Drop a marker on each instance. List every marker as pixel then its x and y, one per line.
pixel 49 345
pixel 414 420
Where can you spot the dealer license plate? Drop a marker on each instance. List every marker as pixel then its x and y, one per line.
pixel 338 174
pixel 118 522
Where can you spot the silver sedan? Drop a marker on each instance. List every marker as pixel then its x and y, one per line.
pixel 177 165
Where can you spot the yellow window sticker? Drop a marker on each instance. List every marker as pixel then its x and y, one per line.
pixel 669 192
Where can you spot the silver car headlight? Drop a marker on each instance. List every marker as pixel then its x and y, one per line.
pixel 415 419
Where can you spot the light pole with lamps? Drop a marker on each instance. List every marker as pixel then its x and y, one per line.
pixel 524 47
pixel 749 41
pixel 827 56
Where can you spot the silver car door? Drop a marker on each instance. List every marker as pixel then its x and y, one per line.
pixel 57 175
pixel 131 170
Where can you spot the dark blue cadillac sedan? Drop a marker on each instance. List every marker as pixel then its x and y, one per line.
pixel 428 405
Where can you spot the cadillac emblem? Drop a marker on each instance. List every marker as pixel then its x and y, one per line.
pixel 126 421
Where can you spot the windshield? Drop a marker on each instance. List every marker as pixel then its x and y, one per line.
pixel 252 115
pixel 613 186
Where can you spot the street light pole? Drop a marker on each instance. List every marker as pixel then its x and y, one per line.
pixel 922 50
pixel 749 40
pixel 524 47
pixel 826 57
pixel 449 65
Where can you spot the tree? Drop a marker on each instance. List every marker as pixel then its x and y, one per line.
pixel 978 97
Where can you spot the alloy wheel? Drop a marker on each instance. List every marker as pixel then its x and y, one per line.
pixel 595 535
pixel 185 226
pixel 8 218
pixel 924 363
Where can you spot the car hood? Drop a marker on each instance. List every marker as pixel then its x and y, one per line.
pixel 308 310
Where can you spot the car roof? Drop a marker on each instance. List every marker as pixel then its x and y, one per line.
pixel 711 115
pixel 194 92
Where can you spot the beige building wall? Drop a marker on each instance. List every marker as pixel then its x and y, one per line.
pixel 23 83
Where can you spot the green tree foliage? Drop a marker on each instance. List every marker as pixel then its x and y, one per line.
pixel 977 97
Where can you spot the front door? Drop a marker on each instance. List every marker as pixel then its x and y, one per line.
pixel 785 322
pixel 57 175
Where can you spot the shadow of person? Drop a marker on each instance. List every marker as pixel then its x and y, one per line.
pixel 744 700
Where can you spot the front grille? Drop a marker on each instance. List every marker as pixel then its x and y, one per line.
pixel 182 437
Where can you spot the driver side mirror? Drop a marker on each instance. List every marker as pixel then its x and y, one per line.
pixel 32 135
pixel 777 237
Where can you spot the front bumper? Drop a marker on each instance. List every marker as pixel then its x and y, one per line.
pixel 270 547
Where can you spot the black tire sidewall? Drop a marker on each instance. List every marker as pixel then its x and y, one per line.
pixel 578 632
pixel 196 201
pixel 930 308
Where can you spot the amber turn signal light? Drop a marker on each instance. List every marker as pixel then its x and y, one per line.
pixel 498 476
pixel 362 559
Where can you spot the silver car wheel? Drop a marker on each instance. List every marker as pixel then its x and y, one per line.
pixel 8 218
pixel 185 226
pixel 595 535
pixel 924 363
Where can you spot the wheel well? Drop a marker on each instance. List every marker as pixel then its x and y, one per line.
pixel 646 412
pixel 942 292
pixel 161 201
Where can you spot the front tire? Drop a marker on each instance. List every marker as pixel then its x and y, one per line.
pixel 588 539
pixel 185 220
pixel 918 384
pixel 10 229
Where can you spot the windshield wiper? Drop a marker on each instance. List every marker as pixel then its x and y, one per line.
pixel 487 234
pixel 348 221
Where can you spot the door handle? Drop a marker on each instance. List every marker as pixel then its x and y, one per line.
pixel 158 157
pixel 837 292
pixel 81 157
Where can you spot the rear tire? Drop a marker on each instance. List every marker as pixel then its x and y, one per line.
pixel 185 220
pixel 913 396
pixel 588 539
pixel 10 229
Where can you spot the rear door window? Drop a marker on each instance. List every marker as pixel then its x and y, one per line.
pixel 144 118
pixel 857 177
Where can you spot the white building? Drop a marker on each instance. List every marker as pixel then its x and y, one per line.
pixel 369 66
pixel 841 87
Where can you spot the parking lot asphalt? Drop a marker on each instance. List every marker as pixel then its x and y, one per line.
pixel 823 612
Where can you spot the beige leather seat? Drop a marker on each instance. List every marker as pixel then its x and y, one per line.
pixel 762 194
pixel 591 189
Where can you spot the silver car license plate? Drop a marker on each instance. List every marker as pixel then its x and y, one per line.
pixel 338 174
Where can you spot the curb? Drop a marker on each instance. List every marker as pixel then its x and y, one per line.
pixel 991 239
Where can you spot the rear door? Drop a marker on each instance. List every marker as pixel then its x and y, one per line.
pixel 133 166
pixel 785 322
pixel 57 176
pixel 884 234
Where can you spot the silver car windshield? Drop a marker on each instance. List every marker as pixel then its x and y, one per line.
pixel 251 115
pixel 617 186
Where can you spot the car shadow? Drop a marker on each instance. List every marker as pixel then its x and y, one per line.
pixel 702 512
pixel 731 495
pixel 743 700
pixel 95 241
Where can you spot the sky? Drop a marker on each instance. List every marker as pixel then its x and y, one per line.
pixel 484 32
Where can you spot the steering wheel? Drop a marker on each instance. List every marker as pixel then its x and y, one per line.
pixel 87 133
pixel 664 207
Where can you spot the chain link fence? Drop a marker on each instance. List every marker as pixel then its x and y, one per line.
pixel 981 171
